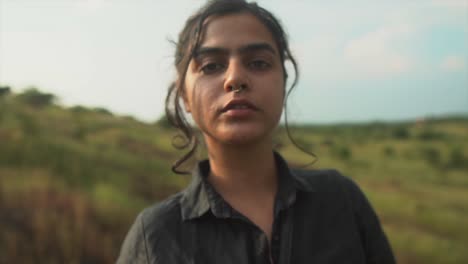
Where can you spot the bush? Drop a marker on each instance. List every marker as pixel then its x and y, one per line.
pixel 4 91
pixel 102 110
pixel 431 155
pixel 400 133
pixel 64 227
pixel 342 152
pixel 35 98
pixel 429 134
pixel 457 159
pixel 328 142
pixel 79 109
pixel 79 132
pixel 29 124
pixel 389 151
pixel 163 122
pixel 304 142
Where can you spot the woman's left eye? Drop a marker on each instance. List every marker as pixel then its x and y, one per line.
pixel 259 64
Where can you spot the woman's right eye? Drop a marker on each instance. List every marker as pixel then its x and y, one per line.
pixel 211 68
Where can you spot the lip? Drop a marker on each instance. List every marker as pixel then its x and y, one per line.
pixel 229 106
pixel 239 113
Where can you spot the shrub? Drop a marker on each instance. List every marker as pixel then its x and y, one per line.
pixel 163 122
pixel 431 155
pixel 29 124
pixel 4 91
pixel 64 227
pixel 342 152
pixel 389 151
pixel 79 109
pixel 429 134
pixel 304 142
pixel 35 98
pixel 79 132
pixel 102 110
pixel 328 142
pixel 400 133
pixel 457 159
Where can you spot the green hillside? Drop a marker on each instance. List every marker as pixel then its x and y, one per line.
pixel 73 179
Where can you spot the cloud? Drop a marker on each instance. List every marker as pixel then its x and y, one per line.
pixel 376 53
pixel 452 63
pixel 90 5
pixel 372 40
pixel 451 3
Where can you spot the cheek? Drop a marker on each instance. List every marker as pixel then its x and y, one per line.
pixel 202 100
pixel 194 99
pixel 277 96
pixel 277 89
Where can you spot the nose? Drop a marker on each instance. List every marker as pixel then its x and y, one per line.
pixel 236 77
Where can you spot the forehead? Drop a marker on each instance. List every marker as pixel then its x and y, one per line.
pixel 235 30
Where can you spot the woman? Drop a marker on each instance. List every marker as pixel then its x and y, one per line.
pixel 244 204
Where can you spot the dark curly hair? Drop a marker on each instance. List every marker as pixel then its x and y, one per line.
pixel 187 45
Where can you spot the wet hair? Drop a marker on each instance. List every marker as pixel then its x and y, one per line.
pixel 186 47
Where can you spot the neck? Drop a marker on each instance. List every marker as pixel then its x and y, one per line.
pixel 243 170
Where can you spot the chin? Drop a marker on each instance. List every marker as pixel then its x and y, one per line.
pixel 244 137
pixel 241 141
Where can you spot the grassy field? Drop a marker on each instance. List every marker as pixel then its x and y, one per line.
pixel 73 179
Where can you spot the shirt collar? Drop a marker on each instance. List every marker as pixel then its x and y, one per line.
pixel 200 196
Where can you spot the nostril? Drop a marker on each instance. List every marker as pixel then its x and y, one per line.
pixel 236 88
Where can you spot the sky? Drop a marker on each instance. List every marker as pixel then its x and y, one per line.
pixel 360 61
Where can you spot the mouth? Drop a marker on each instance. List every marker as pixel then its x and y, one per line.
pixel 239 105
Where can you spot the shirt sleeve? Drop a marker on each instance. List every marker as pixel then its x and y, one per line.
pixel 133 249
pixel 374 241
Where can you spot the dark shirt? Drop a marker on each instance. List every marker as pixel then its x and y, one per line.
pixel 319 217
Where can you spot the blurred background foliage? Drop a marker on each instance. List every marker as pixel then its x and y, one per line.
pixel 72 179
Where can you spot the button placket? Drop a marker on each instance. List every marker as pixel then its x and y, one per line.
pixel 262 247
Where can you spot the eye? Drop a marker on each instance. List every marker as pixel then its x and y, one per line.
pixel 212 67
pixel 259 65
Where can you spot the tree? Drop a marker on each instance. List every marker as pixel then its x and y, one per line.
pixel 4 91
pixel 33 97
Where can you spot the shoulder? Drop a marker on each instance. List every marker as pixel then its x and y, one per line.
pixel 341 193
pixel 161 216
pixel 325 180
pixel 150 225
pixel 331 186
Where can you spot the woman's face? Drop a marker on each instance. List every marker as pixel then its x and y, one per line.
pixel 235 50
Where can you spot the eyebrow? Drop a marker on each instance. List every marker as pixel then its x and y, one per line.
pixel 244 49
